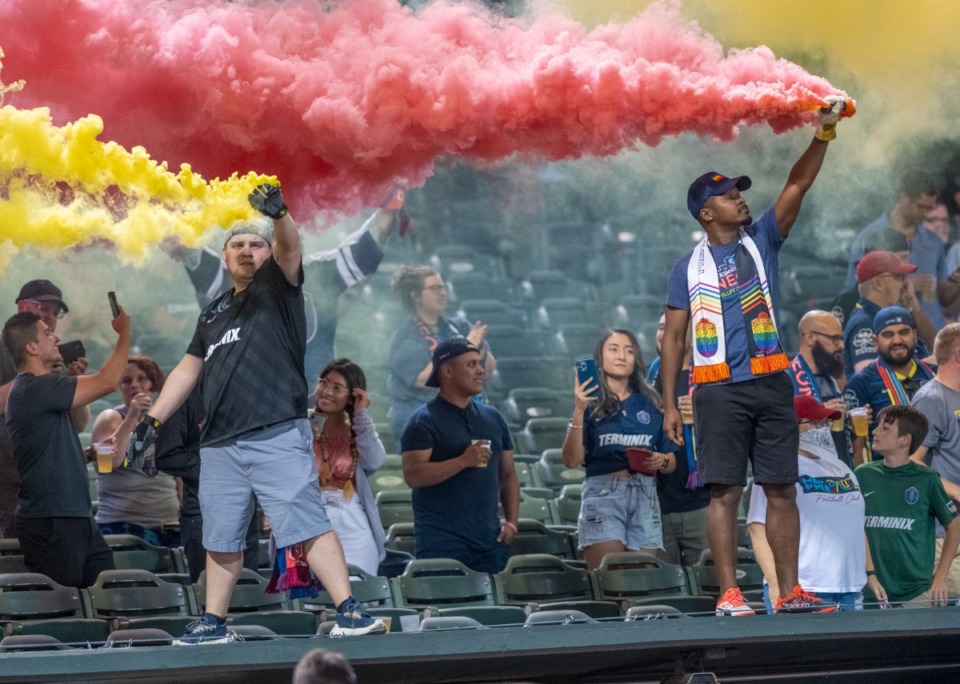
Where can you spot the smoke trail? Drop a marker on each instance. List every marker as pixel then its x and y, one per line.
pixel 338 100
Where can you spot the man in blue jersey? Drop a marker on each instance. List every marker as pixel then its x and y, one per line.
pixel 248 352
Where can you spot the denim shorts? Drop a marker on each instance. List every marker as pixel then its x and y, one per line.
pixel 275 463
pixel 624 509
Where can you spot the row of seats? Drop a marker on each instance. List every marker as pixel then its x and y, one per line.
pixel 32 604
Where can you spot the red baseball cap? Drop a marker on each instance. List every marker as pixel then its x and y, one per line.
pixel 809 408
pixel 877 263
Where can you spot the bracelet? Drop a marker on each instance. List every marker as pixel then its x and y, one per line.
pixel 511 526
pixel 871 573
pixel 571 426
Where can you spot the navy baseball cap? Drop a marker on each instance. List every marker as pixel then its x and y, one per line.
pixel 42 291
pixel 892 315
pixel 445 351
pixel 709 185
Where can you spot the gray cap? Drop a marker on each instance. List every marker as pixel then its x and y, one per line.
pixel 263 229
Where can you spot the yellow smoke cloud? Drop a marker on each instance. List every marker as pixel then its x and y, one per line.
pixel 899 60
pixel 62 187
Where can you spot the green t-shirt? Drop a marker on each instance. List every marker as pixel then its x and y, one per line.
pixel 901 507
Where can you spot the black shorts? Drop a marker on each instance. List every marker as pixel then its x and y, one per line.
pixel 70 551
pixel 754 420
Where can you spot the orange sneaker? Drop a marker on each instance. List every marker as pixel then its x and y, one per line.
pixel 732 603
pixel 800 601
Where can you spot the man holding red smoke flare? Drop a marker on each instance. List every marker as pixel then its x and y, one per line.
pixel 728 287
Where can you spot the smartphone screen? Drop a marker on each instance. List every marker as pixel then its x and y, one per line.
pixel 114 307
pixel 587 370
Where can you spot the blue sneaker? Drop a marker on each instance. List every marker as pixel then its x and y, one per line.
pixel 353 620
pixel 206 630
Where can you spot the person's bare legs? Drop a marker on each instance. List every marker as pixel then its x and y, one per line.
pixel 722 532
pixel 325 557
pixel 223 571
pixel 783 533
pixel 594 553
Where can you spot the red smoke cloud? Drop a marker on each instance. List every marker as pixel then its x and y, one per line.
pixel 340 99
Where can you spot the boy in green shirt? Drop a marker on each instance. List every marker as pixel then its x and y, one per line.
pixel 903 499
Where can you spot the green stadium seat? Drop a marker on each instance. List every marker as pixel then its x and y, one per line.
pixel 441 582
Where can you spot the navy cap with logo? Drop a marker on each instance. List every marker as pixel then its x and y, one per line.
pixel 891 315
pixel 445 351
pixel 709 185
pixel 42 291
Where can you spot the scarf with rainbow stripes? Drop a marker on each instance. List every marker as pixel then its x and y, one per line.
pixel 706 311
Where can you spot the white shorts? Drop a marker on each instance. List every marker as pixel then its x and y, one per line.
pixel 352 526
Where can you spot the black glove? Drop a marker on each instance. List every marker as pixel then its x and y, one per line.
pixel 268 201
pixel 142 450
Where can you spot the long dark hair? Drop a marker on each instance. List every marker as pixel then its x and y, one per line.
pixel 351 372
pixel 607 401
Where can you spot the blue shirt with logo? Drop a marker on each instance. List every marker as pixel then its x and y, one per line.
pixel 636 422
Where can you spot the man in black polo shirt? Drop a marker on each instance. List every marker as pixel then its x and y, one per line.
pixel 247 353
pixel 54 519
pixel 458 458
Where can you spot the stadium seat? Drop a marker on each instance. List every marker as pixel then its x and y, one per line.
pixel 139 636
pixel 704 578
pixel 372 591
pixel 633 575
pixel 133 553
pixel 540 285
pixel 540 434
pixel 558 617
pixel 553 473
pixel 636 311
pixel 541 578
pixel 25 643
pixel 10 546
pixel 402 537
pixel 490 312
pixel 454 259
pixel 695 606
pixel 524 403
pixel 516 340
pixel 528 477
pixel 535 537
pixel 33 604
pixel 475 285
pixel 13 563
pixel 568 504
pixel 395 506
pixel 139 599
pixel 555 313
pixel 574 340
pixel 431 624
pixel 537 508
pixel 652 612
pixel 441 582
pixel 389 476
pixel 550 372
pixel 387 438
pixel 488 616
pixel 394 562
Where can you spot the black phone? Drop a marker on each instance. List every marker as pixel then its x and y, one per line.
pixel 114 307
pixel 71 351
pixel 587 370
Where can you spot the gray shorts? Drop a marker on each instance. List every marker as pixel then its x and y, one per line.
pixel 276 464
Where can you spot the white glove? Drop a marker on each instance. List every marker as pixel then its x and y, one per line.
pixel 829 116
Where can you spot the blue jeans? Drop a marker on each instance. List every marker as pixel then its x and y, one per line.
pixel 845 600
pixel 624 509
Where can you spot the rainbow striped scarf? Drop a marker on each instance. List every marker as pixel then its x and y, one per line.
pixel 706 310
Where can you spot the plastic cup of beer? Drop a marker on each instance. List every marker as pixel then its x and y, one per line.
pixel 104 458
pixel 861 424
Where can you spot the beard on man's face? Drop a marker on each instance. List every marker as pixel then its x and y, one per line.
pixel 827 363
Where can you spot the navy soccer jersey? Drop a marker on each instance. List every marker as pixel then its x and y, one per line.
pixel 252 343
pixel 636 422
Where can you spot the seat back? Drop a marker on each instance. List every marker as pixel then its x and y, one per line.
pixel 568 504
pixel 402 537
pixel 371 590
pixel 632 574
pixel 13 563
pixel 553 473
pixel 538 578
pixel 524 403
pixel 32 596
pixel 534 537
pixel 540 434
pixel 135 593
pixel 133 553
pixel 537 508
pixel 705 578
pixel 395 506
pixel 249 595
pixel 441 582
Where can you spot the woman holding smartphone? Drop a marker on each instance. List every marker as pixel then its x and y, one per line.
pixel 615 412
